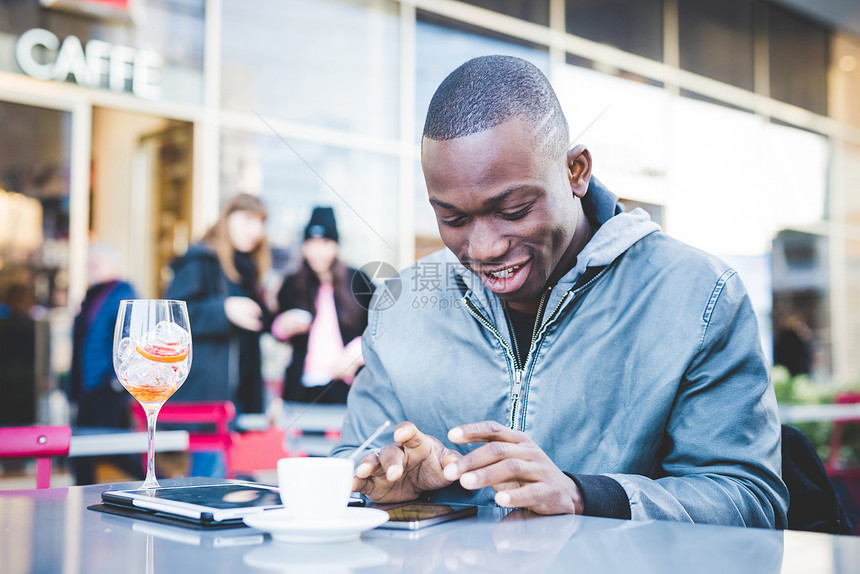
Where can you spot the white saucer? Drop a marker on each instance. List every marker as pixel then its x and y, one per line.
pixel 348 526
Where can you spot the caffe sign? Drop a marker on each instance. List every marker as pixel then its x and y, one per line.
pixel 99 64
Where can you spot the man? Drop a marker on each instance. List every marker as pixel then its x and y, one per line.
pixel 578 360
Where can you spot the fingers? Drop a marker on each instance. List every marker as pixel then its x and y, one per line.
pixel 388 463
pixel 486 431
pixel 474 475
pixel 503 444
pixel 367 465
pixel 543 498
pixel 408 435
pixel 367 468
pixel 391 461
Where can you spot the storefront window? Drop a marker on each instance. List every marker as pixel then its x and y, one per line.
pixel 34 248
pixel 536 11
pixel 716 40
pixel 329 63
pixel 634 26
pixel 798 50
pixel 292 177
pixel 159 46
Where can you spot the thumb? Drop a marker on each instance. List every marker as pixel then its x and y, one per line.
pixel 408 435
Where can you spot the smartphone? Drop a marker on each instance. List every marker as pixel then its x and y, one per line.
pixel 415 515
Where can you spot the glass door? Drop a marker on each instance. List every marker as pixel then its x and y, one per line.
pixel 35 151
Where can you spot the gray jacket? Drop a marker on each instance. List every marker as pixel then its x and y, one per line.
pixel 646 369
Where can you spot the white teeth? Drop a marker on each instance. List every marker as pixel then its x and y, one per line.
pixel 504 273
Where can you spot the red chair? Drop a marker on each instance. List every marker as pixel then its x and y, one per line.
pixel 41 443
pixel 258 450
pixel 218 413
pixel 834 466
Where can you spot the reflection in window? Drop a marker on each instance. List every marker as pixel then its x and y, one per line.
pixel 292 179
pixel 716 40
pixel 634 26
pixel 331 63
pixel 801 289
pixel 798 52
pixel 34 202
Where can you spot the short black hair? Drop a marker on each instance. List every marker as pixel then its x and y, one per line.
pixel 490 90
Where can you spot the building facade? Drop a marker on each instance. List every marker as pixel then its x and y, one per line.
pixel 130 122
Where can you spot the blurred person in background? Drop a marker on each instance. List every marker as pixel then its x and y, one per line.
pixel 93 386
pixel 792 346
pixel 17 353
pixel 219 279
pixel 324 308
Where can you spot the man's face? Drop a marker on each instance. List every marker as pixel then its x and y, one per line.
pixel 507 213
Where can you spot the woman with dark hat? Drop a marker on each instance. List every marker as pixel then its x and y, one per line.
pixel 324 312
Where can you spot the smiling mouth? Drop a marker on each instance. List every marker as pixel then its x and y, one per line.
pixel 502 280
pixel 505 273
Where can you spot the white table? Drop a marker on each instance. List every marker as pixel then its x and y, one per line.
pixel 52 530
pixel 810 413
pixel 100 442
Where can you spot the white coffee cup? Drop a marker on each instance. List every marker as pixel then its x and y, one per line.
pixel 315 488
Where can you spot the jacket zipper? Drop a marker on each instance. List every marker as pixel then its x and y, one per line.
pixel 518 375
pixel 520 372
pixel 519 369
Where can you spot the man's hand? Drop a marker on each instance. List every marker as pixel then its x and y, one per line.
pixel 520 472
pixel 403 470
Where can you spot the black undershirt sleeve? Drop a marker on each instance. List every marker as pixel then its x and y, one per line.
pixel 603 496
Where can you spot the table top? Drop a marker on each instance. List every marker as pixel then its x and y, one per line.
pixel 51 530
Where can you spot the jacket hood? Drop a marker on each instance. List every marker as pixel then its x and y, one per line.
pixel 615 235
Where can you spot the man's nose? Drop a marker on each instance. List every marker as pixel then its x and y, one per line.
pixel 486 243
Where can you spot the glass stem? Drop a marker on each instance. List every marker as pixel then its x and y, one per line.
pixel 151 415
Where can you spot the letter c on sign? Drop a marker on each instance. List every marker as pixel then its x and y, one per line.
pixel 24 52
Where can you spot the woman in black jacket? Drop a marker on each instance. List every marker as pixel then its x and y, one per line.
pixel 324 308
pixel 219 279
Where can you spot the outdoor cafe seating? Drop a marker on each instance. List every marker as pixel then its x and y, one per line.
pixel 39 442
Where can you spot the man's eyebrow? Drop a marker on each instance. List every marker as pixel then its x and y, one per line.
pixel 495 200
pixel 442 204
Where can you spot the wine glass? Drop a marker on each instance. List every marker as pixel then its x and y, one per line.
pixel 151 357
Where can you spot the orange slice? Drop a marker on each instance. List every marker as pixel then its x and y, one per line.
pixel 163 354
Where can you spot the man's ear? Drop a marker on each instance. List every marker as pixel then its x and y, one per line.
pixel 579 169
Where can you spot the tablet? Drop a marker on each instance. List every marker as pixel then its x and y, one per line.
pixel 206 504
